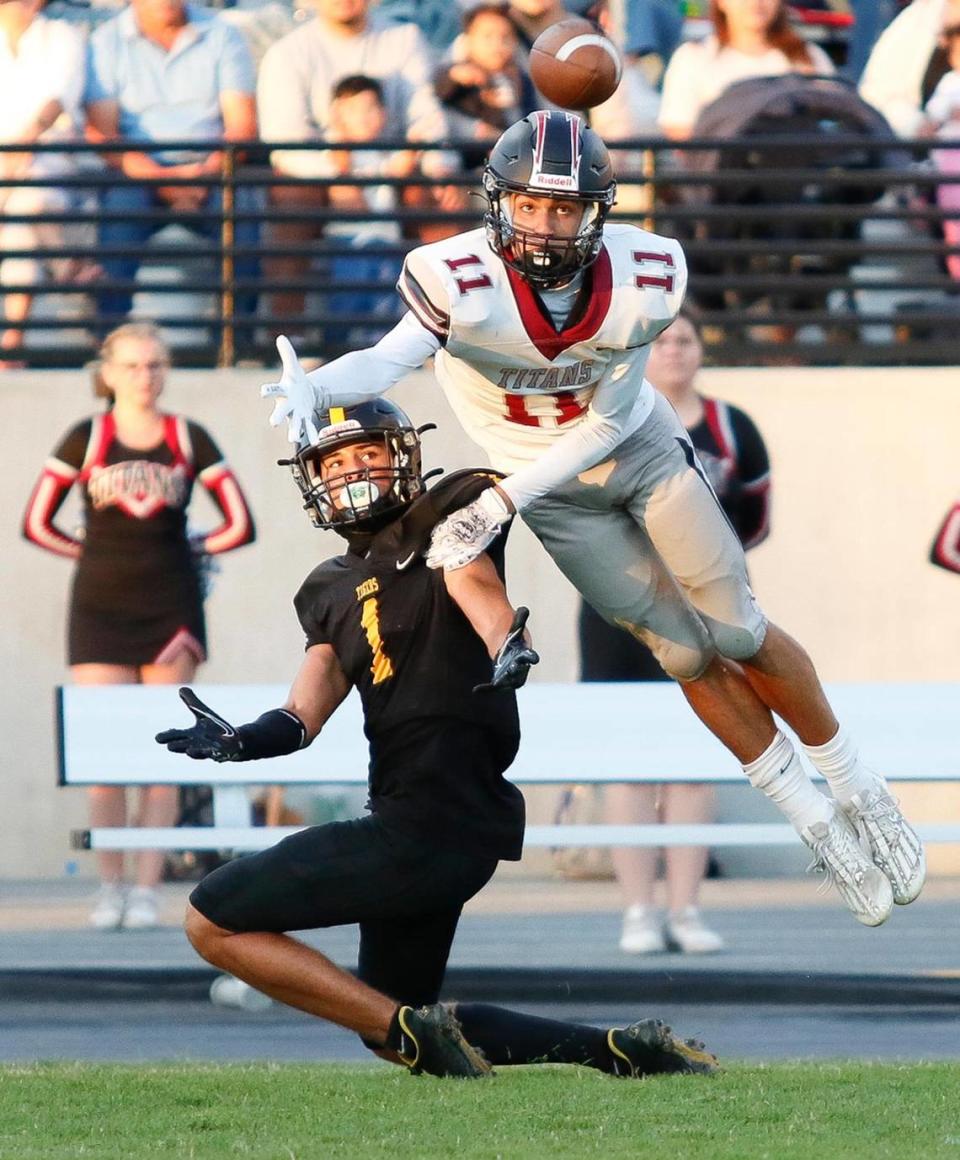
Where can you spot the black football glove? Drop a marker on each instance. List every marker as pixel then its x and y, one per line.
pixel 512 664
pixel 210 736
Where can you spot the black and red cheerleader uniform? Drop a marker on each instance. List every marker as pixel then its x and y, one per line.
pixel 136 597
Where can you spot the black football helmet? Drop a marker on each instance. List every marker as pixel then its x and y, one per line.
pixel 551 154
pixel 367 499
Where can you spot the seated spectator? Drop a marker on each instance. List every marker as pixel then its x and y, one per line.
pixel 942 113
pixel 531 17
pixel 168 72
pixel 41 83
pixel 651 31
pixel 907 62
pixel 358 113
pixel 294 90
pixel 438 20
pixel 483 89
pixel 749 39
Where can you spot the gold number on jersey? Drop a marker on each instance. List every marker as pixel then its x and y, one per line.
pixel 382 666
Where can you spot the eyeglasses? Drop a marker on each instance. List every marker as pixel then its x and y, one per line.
pixel 152 368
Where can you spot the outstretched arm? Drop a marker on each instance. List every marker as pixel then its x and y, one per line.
pixel 317 690
pixel 351 379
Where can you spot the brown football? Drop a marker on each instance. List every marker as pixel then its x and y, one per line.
pixel 575 66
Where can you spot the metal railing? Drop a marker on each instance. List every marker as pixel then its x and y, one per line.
pixel 800 250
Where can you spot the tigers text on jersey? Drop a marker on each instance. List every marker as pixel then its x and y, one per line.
pixel 515 382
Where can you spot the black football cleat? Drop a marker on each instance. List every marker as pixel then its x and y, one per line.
pixel 433 1044
pixel 514 659
pixel 649 1047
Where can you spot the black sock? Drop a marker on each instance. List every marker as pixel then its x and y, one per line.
pixel 507 1037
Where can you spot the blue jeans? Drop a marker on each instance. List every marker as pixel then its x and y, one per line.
pixel 365 264
pixel 127 197
pixel 653 26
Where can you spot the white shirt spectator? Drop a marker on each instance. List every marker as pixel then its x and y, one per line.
pixel 943 108
pixel 48 65
pixel 701 70
pixel 298 73
pixel 893 79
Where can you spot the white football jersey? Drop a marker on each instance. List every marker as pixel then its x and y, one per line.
pixel 514 381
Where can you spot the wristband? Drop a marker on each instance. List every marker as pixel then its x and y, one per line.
pixel 273 734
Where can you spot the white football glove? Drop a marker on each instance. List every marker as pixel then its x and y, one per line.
pixel 298 399
pixel 461 537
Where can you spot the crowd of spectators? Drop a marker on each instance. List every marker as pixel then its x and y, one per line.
pixel 160 74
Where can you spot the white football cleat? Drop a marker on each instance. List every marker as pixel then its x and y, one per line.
pixel 642 932
pixel 838 854
pixel 892 842
pixel 687 933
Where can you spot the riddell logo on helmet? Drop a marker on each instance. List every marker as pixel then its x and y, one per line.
pixel 553 181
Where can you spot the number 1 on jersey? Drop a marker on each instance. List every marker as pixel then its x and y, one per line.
pixel 382 666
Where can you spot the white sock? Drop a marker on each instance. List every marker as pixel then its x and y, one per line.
pixel 781 777
pixel 840 764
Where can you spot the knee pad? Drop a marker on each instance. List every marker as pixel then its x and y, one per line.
pixel 737 642
pixel 682 661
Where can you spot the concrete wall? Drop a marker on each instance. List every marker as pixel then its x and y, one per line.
pixel 864 467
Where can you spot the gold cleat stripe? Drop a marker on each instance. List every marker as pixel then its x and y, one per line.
pixel 615 1051
pixel 413 1039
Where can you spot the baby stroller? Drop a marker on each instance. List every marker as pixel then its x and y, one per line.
pixel 796 257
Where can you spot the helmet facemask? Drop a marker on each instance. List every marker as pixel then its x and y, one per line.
pixel 544 259
pixel 356 499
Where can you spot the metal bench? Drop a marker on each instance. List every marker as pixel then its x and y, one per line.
pixel 572 734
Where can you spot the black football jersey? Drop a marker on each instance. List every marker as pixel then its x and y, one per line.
pixel 414 658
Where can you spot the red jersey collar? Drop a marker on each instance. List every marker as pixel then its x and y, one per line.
pixel 549 342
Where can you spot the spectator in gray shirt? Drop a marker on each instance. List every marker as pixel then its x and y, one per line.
pixel 297 77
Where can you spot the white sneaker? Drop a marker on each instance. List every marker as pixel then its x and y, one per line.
pixel 892 842
pixel 107 914
pixel 642 932
pixel 686 933
pixel 838 854
pixel 143 909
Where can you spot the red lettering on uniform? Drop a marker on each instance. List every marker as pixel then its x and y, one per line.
pixel 661 282
pixel 465 285
pixel 517 411
pixel 568 407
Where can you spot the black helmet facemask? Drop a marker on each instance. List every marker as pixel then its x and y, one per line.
pixel 358 500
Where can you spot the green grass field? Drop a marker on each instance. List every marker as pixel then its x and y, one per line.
pixel 783 1111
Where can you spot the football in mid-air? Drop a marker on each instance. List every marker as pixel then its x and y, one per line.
pixel 575 66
